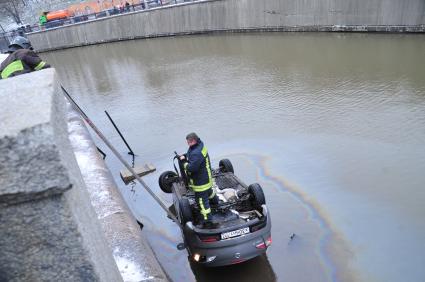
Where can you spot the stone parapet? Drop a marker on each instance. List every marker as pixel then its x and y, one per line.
pixel 49 229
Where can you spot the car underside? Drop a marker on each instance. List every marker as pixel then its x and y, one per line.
pixel 242 226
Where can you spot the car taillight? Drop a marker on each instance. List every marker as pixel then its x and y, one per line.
pixel 264 244
pixel 209 238
pixel 200 258
pixel 269 241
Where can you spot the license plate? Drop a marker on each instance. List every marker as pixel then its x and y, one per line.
pixel 234 233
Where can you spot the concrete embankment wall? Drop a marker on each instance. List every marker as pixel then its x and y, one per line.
pixel 49 183
pixel 132 253
pixel 241 15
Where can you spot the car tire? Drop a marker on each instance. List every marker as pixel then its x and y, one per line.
pixel 226 166
pixel 164 181
pixel 185 211
pixel 257 195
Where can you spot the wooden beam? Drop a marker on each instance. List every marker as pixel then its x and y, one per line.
pixel 142 170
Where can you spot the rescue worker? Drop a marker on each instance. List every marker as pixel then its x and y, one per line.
pixel 21 59
pixel 197 166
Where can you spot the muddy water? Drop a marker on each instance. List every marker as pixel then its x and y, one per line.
pixel 331 125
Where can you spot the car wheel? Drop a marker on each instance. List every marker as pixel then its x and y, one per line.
pixel 226 166
pixel 165 182
pixel 185 211
pixel 257 195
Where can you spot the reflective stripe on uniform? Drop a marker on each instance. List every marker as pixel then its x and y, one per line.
pixel 11 68
pixel 204 211
pixel 40 65
pixel 207 163
pixel 212 194
pixel 185 167
pixel 187 173
pixel 204 151
pixel 201 188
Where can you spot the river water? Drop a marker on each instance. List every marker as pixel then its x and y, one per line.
pixel 332 125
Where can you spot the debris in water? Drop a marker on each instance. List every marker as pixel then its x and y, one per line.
pixel 181 246
pixel 140 224
pixel 291 238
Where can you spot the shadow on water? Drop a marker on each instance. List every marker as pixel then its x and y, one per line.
pixel 257 269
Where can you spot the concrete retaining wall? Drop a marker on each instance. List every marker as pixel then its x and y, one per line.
pixel 49 231
pixel 49 228
pixel 241 15
pixel 132 253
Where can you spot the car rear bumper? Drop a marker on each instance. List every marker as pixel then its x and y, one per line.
pixel 229 251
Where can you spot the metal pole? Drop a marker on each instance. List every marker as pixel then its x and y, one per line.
pixel 119 132
pixel 89 122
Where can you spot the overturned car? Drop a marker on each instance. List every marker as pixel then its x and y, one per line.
pixel 242 228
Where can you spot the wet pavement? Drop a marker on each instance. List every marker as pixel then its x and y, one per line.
pixel 331 125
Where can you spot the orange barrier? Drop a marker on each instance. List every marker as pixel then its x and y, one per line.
pixel 86 8
pixel 89 7
pixel 57 15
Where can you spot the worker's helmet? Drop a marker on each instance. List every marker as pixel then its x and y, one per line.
pixel 19 42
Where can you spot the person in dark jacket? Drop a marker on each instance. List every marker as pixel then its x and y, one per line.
pixel 198 169
pixel 21 59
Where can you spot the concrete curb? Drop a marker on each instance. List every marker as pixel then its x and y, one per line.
pixel 132 253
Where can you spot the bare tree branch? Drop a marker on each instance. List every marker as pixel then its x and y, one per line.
pixel 11 8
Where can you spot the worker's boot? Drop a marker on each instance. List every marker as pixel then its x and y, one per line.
pixel 214 201
pixel 211 222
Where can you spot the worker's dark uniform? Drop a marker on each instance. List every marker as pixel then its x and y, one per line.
pixel 21 61
pixel 198 170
